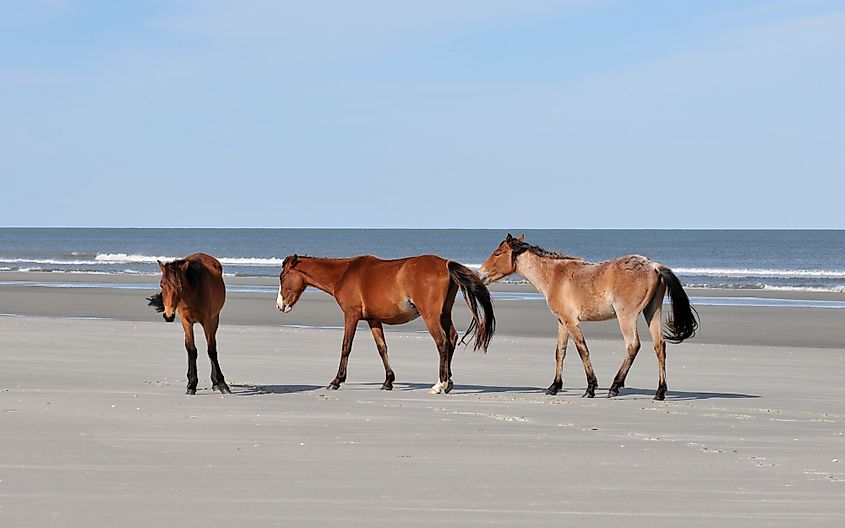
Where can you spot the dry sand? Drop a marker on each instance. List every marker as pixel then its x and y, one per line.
pixel 95 429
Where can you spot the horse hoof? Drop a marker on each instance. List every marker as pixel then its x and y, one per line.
pixel 448 387
pixel 224 389
pixel 660 396
pixel 588 394
pixel 612 393
pixel 387 387
pixel 191 392
pixel 333 386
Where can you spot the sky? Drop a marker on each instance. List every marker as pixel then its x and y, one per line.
pixel 437 114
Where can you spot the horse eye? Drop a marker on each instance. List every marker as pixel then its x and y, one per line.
pixel 497 253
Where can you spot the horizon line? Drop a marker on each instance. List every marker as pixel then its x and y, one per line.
pixel 444 228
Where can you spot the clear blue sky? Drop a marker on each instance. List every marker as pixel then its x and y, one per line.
pixel 478 113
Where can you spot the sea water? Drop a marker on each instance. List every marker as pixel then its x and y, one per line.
pixel 801 260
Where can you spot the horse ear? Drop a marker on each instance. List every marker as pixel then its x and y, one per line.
pixel 508 238
pixel 160 265
pixel 520 238
pixel 293 260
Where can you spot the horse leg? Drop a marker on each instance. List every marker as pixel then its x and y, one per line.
pixel 628 325
pixel 452 342
pixel 560 354
pixel 442 340
pixel 350 324
pixel 584 352
pixel 218 381
pixel 653 316
pixel 381 345
pixel 191 347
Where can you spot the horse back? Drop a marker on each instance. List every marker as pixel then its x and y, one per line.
pixel 382 285
pixel 205 277
pixel 599 290
pixel 211 264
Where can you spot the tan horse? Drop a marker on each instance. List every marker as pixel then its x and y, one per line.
pixel 577 290
pixel 193 287
pixel 393 292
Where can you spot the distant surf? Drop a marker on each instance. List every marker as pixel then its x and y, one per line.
pixel 793 261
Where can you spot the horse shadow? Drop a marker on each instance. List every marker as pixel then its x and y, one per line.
pixel 461 388
pixel 247 389
pixel 672 395
pixel 676 395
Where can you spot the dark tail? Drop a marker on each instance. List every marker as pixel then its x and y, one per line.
pixel 683 322
pixel 156 302
pixel 475 293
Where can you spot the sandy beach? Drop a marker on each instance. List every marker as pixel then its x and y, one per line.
pixel 96 429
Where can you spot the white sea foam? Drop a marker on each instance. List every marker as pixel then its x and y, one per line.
pixel 819 289
pixel 250 261
pixel 57 262
pixel 761 272
pixel 123 258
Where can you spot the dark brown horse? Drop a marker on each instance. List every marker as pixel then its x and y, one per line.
pixel 393 292
pixel 577 290
pixel 193 288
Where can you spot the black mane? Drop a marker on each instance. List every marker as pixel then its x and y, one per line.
pixel 157 302
pixel 519 247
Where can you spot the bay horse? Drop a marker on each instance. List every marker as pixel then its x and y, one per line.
pixel 393 292
pixel 193 288
pixel 577 290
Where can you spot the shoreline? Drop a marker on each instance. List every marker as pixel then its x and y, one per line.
pixel 769 326
pixel 140 280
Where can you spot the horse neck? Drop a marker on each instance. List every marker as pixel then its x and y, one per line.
pixel 187 293
pixel 322 273
pixel 540 271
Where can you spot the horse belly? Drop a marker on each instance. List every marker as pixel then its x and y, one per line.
pixel 598 315
pixel 394 314
pixel 597 312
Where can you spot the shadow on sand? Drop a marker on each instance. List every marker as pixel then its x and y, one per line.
pixel 461 388
pixel 672 395
pixel 675 395
pixel 254 390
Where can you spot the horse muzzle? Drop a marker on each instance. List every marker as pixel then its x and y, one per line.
pixel 169 318
pixel 282 305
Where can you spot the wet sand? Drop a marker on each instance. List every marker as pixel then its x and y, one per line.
pixel 95 429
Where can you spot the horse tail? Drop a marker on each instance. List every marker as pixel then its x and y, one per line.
pixel 683 322
pixel 475 294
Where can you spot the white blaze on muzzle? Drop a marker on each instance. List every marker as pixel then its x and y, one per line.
pixel 281 305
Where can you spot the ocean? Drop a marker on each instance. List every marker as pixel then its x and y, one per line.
pixel 798 260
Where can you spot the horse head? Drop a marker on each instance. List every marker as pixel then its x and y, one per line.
pixel 502 262
pixel 166 302
pixel 291 284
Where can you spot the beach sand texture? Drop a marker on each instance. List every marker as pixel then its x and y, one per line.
pixel 95 429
